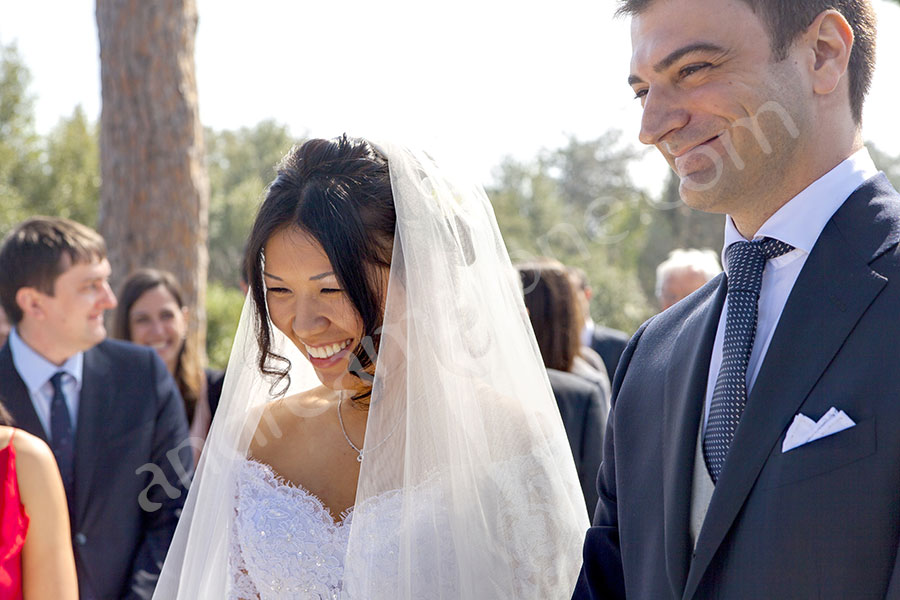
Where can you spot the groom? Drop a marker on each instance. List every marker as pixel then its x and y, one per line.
pixel 753 448
pixel 109 410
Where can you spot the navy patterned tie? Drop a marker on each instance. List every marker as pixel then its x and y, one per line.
pixel 745 261
pixel 62 440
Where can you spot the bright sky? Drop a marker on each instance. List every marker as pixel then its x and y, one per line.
pixel 471 79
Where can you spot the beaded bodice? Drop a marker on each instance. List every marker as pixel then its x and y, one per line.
pixel 285 542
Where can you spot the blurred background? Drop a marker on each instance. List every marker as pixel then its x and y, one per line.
pixel 531 101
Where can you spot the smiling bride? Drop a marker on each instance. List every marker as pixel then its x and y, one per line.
pixel 386 428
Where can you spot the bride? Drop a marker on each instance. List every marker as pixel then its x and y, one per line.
pixel 387 430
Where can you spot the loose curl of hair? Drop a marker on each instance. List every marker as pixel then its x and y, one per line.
pixel 188 373
pixel 339 192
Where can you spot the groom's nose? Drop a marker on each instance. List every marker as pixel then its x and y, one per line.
pixel 662 115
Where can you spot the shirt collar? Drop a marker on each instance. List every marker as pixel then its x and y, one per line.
pixel 801 221
pixel 36 370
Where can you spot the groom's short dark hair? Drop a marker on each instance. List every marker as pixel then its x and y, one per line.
pixel 786 19
pixel 39 250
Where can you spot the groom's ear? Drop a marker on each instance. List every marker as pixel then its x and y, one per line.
pixel 830 40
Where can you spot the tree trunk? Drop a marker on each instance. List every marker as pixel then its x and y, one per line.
pixel 154 195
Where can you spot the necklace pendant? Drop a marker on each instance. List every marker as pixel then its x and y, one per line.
pixel 359 458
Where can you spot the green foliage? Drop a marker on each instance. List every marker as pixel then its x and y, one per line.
pixel 70 164
pixel 889 164
pixel 577 204
pixel 223 311
pixel 58 174
pixel 240 165
pixel 673 225
pixel 18 142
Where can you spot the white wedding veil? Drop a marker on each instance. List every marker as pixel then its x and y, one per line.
pixel 466 458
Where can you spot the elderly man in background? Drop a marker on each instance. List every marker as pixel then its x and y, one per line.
pixel 683 273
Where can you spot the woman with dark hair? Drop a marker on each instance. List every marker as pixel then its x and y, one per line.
pixel 557 320
pixel 36 561
pixel 386 431
pixel 582 393
pixel 152 312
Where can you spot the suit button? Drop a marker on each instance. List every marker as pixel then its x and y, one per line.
pixel 80 539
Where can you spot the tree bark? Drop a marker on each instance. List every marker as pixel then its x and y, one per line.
pixel 154 194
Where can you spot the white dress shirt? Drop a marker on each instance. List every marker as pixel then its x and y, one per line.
pixel 36 371
pixel 798 223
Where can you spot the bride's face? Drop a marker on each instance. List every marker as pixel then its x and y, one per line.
pixel 307 304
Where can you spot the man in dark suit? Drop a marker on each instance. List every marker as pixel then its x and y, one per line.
pixel 583 406
pixel 109 410
pixel 608 343
pixel 753 446
pixel 605 341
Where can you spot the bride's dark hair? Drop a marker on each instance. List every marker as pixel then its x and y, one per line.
pixel 339 192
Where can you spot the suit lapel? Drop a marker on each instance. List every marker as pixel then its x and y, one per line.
pixel 685 391
pixel 16 398
pixel 831 294
pixel 96 394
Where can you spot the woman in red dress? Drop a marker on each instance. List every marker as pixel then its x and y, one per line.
pixel 36 561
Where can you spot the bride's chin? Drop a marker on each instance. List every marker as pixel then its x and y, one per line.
pixel 346 383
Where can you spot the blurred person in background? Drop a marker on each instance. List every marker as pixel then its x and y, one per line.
pixel 108 409
pixel 152 313
pixel 4 327
pixel 683 273
pixel 609 343
pixel 36 561
pixel 581 392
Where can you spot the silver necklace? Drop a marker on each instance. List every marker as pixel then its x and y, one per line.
pixel 358 450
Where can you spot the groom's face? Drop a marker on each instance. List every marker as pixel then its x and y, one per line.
pixel 720 109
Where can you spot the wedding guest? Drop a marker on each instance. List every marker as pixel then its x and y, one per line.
pixel 581 393
pixel 556 319
pixel 109 410
pixel 4 327
pixel 609 343
pixel 152 312
pixel 36 561
pixel 683 273
pixel 754 446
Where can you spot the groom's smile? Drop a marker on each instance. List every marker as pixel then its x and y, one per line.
pixel 716 102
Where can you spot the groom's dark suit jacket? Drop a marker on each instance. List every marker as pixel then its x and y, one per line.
pixel 820 521
pixel 130 415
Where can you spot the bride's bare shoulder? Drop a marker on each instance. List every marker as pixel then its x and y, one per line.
pixel 285 418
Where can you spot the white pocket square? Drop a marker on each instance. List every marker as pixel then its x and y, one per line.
pixel 804 430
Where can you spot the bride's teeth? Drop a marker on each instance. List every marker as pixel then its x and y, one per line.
pixel 326 351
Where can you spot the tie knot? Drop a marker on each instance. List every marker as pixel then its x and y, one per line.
pixel 57 380
pixel 772 248
pixel 740 253
pixel 746 261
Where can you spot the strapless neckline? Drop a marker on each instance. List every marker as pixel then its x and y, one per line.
pixel 279 483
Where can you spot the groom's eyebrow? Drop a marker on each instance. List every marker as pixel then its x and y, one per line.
pixel 677 55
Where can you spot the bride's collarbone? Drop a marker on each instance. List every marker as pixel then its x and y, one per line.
pixel 301 440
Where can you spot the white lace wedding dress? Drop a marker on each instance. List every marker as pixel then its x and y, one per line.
pixel 285 543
